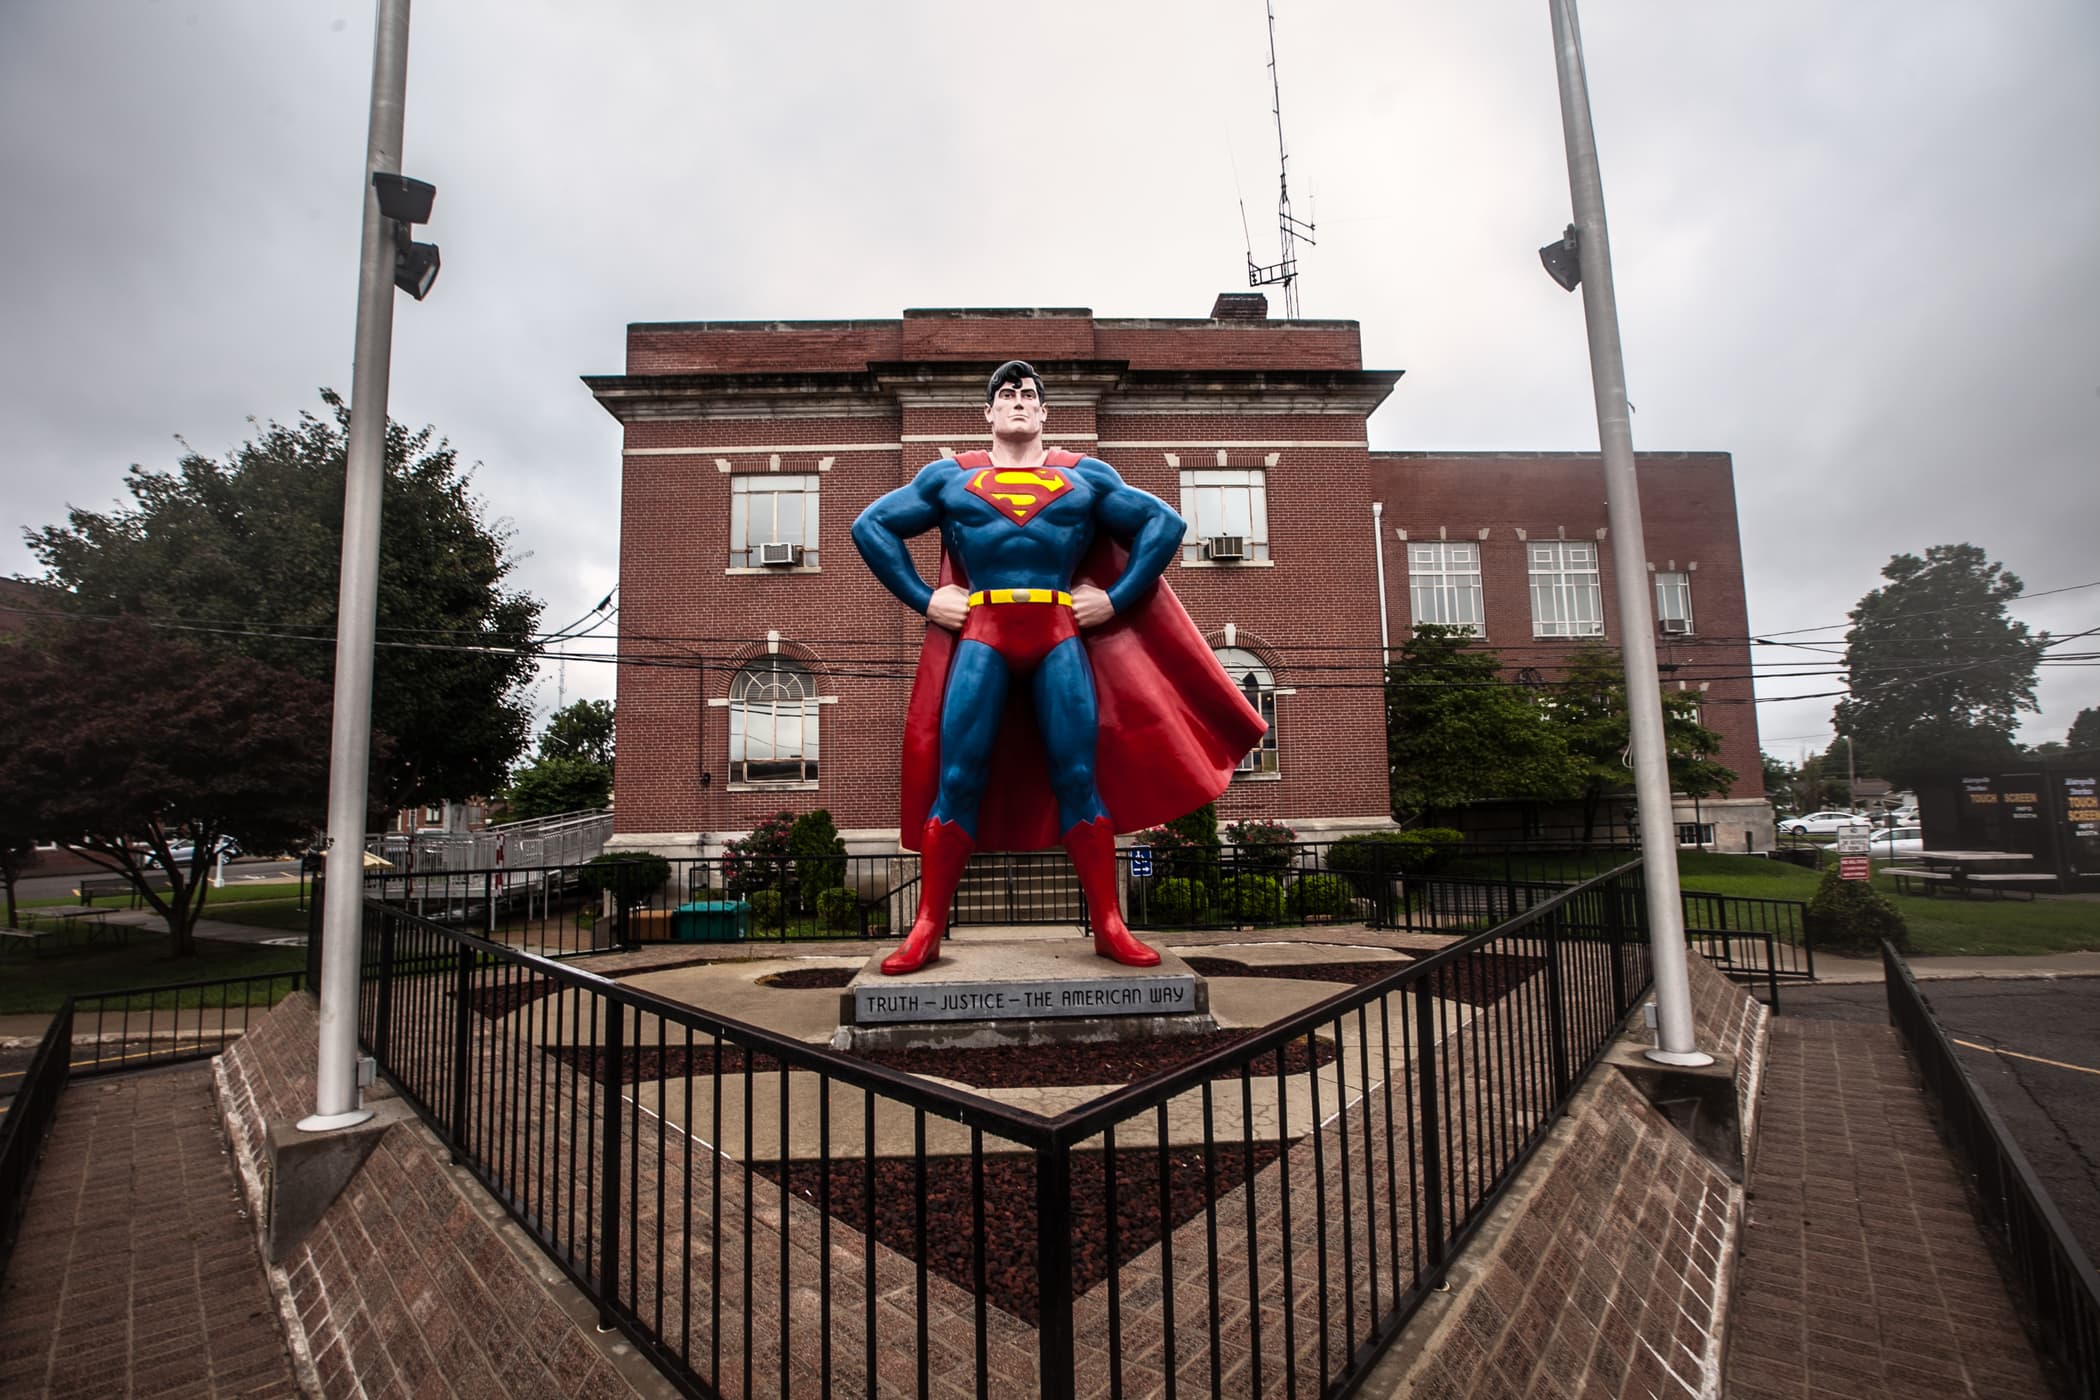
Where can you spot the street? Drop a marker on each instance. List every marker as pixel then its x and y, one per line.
pixel 2032 1045
pixel 59 886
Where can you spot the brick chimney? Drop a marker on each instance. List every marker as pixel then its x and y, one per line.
pixel 1240 306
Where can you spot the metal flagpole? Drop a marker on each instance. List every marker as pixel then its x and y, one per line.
pixel 337 1101
pixel 1676 1039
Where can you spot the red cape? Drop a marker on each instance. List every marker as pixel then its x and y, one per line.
pixel 1173 725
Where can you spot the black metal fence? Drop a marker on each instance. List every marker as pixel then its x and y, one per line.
pixel 132 1029
pixel 2060 1288
pixel 766 1216
pixel 28 1122
pixel 559 911
pixel 1752 940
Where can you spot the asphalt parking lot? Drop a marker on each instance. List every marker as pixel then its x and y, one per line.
pixel 2033 1047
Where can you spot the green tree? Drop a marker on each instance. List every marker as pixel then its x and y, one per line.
pixel 1457 732
pixel 1588 706
pixel 1780 777
pixel 573 771
pixel 124 741
pixel 1938 671
pixel 548 787
pixel 2085 732
pixel 250 547
pixel 583 730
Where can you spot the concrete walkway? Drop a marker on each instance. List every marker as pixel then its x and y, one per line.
pixel 1863 1272
pixel 137 1272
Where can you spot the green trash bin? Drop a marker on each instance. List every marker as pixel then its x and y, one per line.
pixel 712 921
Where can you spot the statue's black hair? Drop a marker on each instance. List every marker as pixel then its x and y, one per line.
pixel 1013 372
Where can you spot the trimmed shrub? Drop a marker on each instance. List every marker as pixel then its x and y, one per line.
pixel 838 909
pixel 1321 895
pixel 1384 855
pixel 1261 846
pixel 1251 899
pixel 1851 916
pixel 820 856
pixel 1187 847
pixel 1180 900
pixel 768 910
pixel 632 876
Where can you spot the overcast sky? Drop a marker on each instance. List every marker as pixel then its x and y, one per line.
pixel 1855 243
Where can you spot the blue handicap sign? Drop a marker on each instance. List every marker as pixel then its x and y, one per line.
pixel 1140 861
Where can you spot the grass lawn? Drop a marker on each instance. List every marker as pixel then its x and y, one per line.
pixel 41 984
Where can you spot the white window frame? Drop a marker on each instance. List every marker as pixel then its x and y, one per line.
pixel 1673 586
pixel 1567 591
pixel 1260 762
pixel 1225 501
pixel 774 697
pixel 757 496
pixel 1443 585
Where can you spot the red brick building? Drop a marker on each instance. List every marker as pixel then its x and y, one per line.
pixel 763 667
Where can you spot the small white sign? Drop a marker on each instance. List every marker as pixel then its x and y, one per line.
pixel 1852 841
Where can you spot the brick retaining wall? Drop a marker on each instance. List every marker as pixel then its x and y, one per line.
pixel 1605 1271
pixel 407 1285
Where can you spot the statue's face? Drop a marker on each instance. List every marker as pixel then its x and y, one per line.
pixel 1017 410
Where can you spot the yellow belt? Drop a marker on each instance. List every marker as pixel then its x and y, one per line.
pixel 1020 595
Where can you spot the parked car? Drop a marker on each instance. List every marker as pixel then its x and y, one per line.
pixel 1821 823
pixel 1897 843
pixel 182 850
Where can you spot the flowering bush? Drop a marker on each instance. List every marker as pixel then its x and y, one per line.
pixel 1261 845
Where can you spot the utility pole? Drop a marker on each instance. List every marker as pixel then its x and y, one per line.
pixel 1676 1040
pixel 337 1099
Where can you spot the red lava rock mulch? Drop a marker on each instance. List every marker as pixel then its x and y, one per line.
pixel 1009 1210
pixel 998 1067
pixel 496 1000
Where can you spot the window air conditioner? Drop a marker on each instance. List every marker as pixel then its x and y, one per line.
pixel 1225 547
pixel 1679 625
pixel 776 555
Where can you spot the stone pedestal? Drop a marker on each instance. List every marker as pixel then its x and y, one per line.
pixel 987 994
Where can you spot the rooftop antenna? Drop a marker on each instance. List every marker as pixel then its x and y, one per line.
pixel 1288 229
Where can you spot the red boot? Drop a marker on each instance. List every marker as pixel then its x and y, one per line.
pixel 944 849
pixel 1092 846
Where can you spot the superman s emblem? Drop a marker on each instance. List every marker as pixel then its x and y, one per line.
pixel 1019 494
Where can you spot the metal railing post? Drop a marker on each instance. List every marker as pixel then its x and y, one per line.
pixel 1053 1264
pixel 313 939
pixel 383 1027
pixel 1556 1005
pixel 1615 931
pixel 609 1165
pixel 1426 1111
pixel 462 1027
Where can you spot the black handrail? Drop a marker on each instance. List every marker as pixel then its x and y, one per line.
pixel 27 1124
pixel 563 1093
pixel 2049 1269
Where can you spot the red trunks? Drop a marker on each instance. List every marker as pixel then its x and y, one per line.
pixel 1022 633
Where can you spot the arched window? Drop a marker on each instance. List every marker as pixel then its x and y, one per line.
pixel 1258 684
pixel 772 723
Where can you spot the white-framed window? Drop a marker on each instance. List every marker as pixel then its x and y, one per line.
pixel 1225 503
pixel 1567 600
pixel 1443 582
pixel 1673 603
pixel 433 814
pixel 772 509
pixel 773 723
pixel 1258 684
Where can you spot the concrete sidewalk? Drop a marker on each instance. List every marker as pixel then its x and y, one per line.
pixel 1831 968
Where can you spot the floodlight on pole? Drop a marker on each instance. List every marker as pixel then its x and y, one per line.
pixel 406 202
pixel 1563 259
pixel 1676 1037
pixel 337 1097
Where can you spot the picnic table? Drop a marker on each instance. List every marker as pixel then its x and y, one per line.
pixel 1973 872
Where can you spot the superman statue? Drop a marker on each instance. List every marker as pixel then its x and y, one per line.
pixel 1062 693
